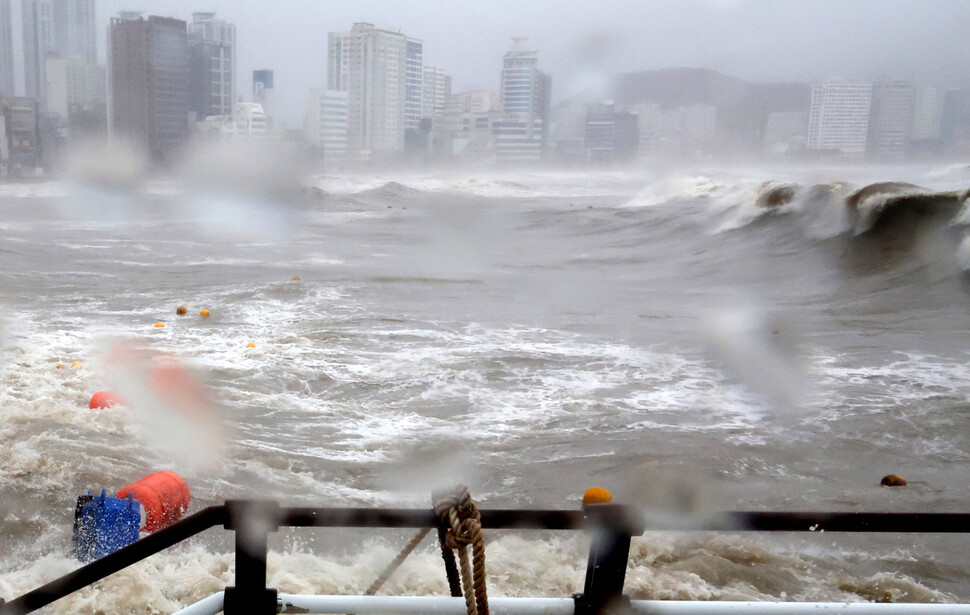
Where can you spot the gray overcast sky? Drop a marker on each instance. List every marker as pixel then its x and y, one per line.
pixel 579 41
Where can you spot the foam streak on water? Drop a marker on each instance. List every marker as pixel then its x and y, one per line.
pixel 531 334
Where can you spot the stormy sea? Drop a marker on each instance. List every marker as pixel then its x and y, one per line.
pixel 694 340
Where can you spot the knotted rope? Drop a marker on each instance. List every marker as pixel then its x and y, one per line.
pixel 458 512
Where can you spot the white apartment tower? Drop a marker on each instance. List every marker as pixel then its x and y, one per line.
pixel 325 125
pixel 435 93
pixel 414 82
pixel 839 117
pixel 377 68
pixel 249 120
pixel 891 121
pixel 520 135
pixel 212 65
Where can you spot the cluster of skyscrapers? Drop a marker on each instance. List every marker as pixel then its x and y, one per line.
pixel 382 101
pixel 886 120
pixel 170 79
pixel 62 80
pixel 163 79
pixel 718 115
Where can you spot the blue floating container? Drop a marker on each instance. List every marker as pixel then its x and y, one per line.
pixel 102 525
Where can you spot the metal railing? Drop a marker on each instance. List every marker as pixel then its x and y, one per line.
pixel 613 526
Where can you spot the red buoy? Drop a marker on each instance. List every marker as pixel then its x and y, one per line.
pixel 163 495
pixel 104 399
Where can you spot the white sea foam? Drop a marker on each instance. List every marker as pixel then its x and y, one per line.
pixel 560 184
pixel 39 190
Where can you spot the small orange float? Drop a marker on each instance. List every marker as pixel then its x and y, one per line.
pixel 893 480
pixel 597 495
pixel 104 399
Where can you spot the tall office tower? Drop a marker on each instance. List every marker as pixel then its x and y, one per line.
pixel 839 117
pixel 149 78
pixel 38 23
pixel 435 92
pixel 64 28
pixel 928 113
pixel 414 82
pixel 6 50
pixel 371 65
pixel 212 65
pixel 526 93
pixel 891 119
pixel 600 131
pixel 326 123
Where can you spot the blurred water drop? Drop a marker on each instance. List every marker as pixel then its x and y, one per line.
pixel 761 351
pixel 243 190
pixel 172 406
pixel 440 465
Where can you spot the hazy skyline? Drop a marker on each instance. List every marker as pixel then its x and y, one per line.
pixel 582 42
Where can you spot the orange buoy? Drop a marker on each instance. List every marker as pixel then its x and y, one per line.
pixel 295 278
pixel 597 495
pixel 159 325
pixel 250 345
pixel 163 495
pixel 204 313
pixel 59 366
pixel 75 364
pixel 104 399
pixel 181 310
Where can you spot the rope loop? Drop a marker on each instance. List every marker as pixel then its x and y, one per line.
pixel 458 512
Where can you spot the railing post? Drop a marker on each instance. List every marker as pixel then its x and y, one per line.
pixel 606 567
pixel 252 520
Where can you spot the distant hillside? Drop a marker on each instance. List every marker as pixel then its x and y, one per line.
pixel 742 107
pixel 677 87
pixel 680 87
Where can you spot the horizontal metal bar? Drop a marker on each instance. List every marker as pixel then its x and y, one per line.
pixel 113 562
pixel 743 521
pixel 399 517
pixel 843 522
pixel 439 605
pixel 207 606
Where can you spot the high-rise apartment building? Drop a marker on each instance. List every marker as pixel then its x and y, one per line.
pixel 149 79
pixel 526 95
pixel 60 28
pixel 891 119
pixel 414 83
pixel 838 120
pixel 212 65
pixel 376 68
pixel 325 125
pixel 6 50
pixel 435 92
